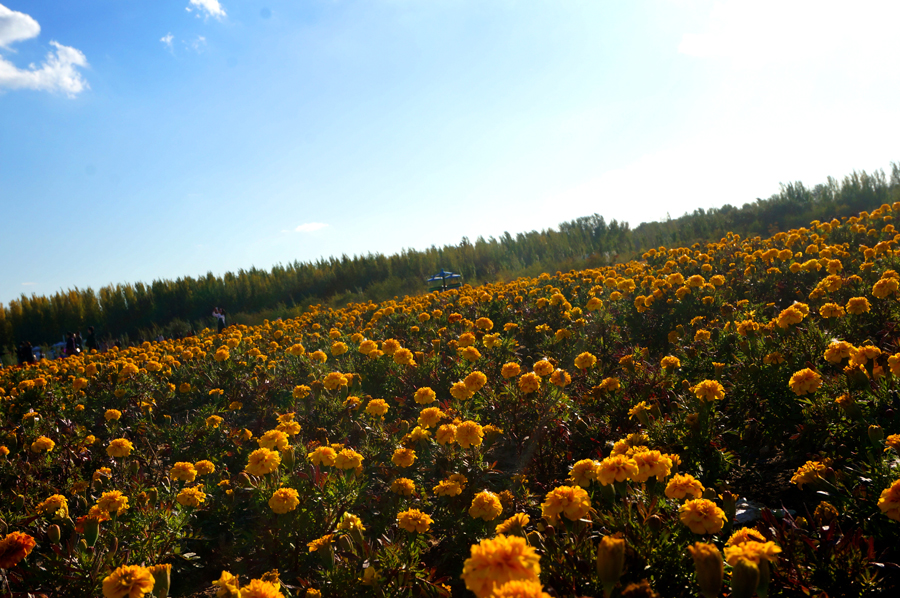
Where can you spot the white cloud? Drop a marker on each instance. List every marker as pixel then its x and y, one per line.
pixel 59 72
pixel 310 227
pixel 211 8
pixel 16 26
pixel 199 44
pixel 28 284
pixel 167 39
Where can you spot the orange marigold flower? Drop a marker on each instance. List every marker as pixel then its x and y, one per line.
pixel 702 516
pixel 263 461
pixel 809 472
pixel 414 520
pixel 425 395
pixel 131 581
pixel 15 547
pixel 683 484
pixel 805 381
pixel 469 434
pixel 585 360
pixel 348 459
pixel 486 505
pixel 403 457
pixel 120 447
pixel 529 383
pixel 496 561
pixel 708 390
pixel 616 468
pixel 183 471
pixel 284 500
pixel 889 502
pixel 571 501
pixel 510 370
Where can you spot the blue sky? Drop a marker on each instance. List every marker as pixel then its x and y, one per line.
pixel 143 140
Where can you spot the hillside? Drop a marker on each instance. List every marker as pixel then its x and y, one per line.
pixel 584 432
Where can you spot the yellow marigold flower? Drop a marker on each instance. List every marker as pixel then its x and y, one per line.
pixel 460 391
pixel 861 355
pixel 571 501
pixel 616 468
pixel 789 316
pixel 683 484
pixel 348 459
pixel 404 357
pixel 701 336
pixel 42 444
pixel 318 356
pixel 510 370
pixel 338 348
pixel 610 384
pixel 831 310
pixel 57 505
pixel 334 380
pixel 446 434
pixel 263 461
pixel 652 463
pixel 838 351
pixel 670 362
pixel 184 387
pixel 214 421
pixel 430 416
pixel 708 391
pixel 113 500
pixel 519 588
pixel 301 392
pixel 447 488
pixel 466 339
pixel 351 522
pixel 753 551
pixel 183 471
pixel 496 561
pixel 289 428
pixel 204 467
pixel 284 500
pixel 273 439
pixel 515 525
pixel 403 486
pixel 529 383
pixel 584 472
pixel 128 581
pixel 746 534
pixel 585 360
pixel 858 305
pixel 418 434
pixel 543 368
pixel 120 447
pixel 377 407
pixel 702 516
pixel 403 457
pixel 594 304
pixel 469 353
pixel 486 505
pixel 15 547
pixel 889 502
pixel 191 496
pixel 469 434
pixel 560 378
pixel 259 588
pixel 484 324
pixel 323 455
pixel 425 395
pixel 805 381
pixel 222 354
pixel 112 415
pixel 809 472
pixel 475 381
pixel 892 442
pixel 773 358
pixel 414 520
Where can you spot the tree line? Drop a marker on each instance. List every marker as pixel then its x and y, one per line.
pixel 172 307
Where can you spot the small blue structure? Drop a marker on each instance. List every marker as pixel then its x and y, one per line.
pixel 444 280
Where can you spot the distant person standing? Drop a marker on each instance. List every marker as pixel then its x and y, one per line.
pixel 79 343
pixel 70 344
pixel 91 340
pixel 219 315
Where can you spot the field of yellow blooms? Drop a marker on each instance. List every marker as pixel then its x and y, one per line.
pixel 715 420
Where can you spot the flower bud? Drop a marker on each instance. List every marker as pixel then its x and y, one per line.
pixel 744 579
pixel 709 567
pixel 152 495
pixel 876 435
pixel 610 562
pixel 91 531
pixel 287 457
pixel 54 533
pixel 133 467
pixel 20 502
pixel 161 579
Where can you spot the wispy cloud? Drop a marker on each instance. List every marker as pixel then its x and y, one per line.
pixel 199 44
pixel 310 227
pixel 208 8
pixel 59 71
pixel 16 26
pixel 28 284
pixel 167 40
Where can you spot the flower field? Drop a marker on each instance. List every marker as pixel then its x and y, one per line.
pixel 714 420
